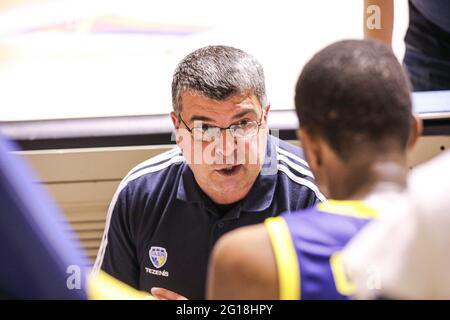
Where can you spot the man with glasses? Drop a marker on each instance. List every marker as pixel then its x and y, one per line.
pixel 226 172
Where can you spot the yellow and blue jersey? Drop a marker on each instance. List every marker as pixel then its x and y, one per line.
pixel 307 246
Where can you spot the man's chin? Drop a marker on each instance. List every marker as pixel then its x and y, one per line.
pixel 228 193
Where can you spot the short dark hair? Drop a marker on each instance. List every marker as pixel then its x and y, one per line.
pixel 218 72
pixel 355 92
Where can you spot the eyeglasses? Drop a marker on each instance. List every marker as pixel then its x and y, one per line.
pixel 206 133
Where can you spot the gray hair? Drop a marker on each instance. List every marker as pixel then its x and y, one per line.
pixel 218 72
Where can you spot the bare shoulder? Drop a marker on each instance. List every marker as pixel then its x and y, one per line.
pixel 242 266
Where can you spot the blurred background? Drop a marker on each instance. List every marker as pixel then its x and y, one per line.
pixel 75 59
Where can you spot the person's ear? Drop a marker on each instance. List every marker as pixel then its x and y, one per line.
pixel 175 121
pixel 415 132
pixel 176 125
pixel 312 149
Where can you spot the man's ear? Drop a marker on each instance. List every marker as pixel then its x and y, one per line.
pixel 415 132
pixel 175 120
pixel 176 124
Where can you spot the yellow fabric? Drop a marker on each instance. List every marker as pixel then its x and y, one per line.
pixel 286 258
pixel 352 208
pixel 343 285
pixel 101 286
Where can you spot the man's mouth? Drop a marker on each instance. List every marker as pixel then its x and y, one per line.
pixel 229 170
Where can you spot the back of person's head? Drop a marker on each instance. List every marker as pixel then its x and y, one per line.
pixel 354 93
pixel 218 72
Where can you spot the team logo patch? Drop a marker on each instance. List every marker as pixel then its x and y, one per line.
pixel 158 256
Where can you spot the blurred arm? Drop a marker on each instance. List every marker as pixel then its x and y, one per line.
pixel 243 266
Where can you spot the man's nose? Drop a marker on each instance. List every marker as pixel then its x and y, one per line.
pixel 226 145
